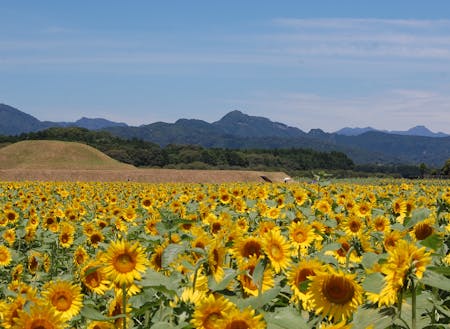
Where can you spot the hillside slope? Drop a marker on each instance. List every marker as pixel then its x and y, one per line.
pixel 55 155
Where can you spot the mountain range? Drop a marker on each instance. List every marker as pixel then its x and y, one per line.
pixel 239 130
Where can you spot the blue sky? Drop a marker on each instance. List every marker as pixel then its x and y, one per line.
pixel 309 64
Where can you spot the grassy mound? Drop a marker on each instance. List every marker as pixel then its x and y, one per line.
pixel 51 155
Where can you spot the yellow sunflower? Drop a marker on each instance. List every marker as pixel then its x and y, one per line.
pixel 124 262
pixel 335 294
pixel 245 319
pixel 277 249
pixel 80 256
pixel 41 316
pixel 302 236
pixel 10 311
pixel 299 274
pixel 210 312
pixel 65 297
pixel 247 246
pixel 10 236
pixel 5 256
pixel 246 278
pixel 66 234
pixel 94 277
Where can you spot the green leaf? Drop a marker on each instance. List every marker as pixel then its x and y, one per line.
pixel 170 253
pixel 369 259
pixel 222 285
pixel 162 325
pixel 285 318
pixel 433 242
pixel 364 317
pixel 440 269
pixel 92 314
pixel 261 300
pixel 373 282
pixel 331 246
pixel 258 273
pixel 153 279
pixel 436 280
pixel 417 215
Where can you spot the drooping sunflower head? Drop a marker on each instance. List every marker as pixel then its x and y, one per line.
pixel 335 294
pixel 124 262
pixel 65 297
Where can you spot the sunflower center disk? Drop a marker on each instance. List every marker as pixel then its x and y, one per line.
pixel 61 303
pixel 238 324
pixel 276 252
pixel 124 263
pixel 338 290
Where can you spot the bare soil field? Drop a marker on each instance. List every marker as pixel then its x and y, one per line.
pixel 68 161
pixel 139 175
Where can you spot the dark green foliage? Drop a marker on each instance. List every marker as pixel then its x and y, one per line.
pixel 145 154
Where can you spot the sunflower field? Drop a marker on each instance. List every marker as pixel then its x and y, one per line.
pixel 372 254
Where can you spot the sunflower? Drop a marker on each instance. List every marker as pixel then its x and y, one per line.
pixel 10 236
pixel 246 278
pixel 95 238
pixel 65 297
pixel 391 239
pixel 381 224
pixel 124 262
pixel 33 262
pixel 66 234
pixel 40 317
pixel 423 229
pixel 299 274
pixel 5 256
pixel 210 312
pixel 363 209
pixel 246 247
pixel 353 226
pixel 10 311
pixel 302 236
pixel 156 257
pixel 80 256
pixel 335 294
pixel 300 196
pixel 11 216
pixel 277 249
pixel 116 308
pixel 216 258
pixel 245 319
pixel 94 278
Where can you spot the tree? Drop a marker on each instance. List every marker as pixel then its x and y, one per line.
pixel 446 169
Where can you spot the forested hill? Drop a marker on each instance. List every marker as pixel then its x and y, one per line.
pixel 146 154
pixel 237 130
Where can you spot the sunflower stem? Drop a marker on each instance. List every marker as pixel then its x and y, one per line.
pixel 347 258
pixel 124 305
pixel 414 304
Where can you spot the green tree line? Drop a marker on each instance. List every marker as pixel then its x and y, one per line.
pixel 294 161
pixel 146 154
